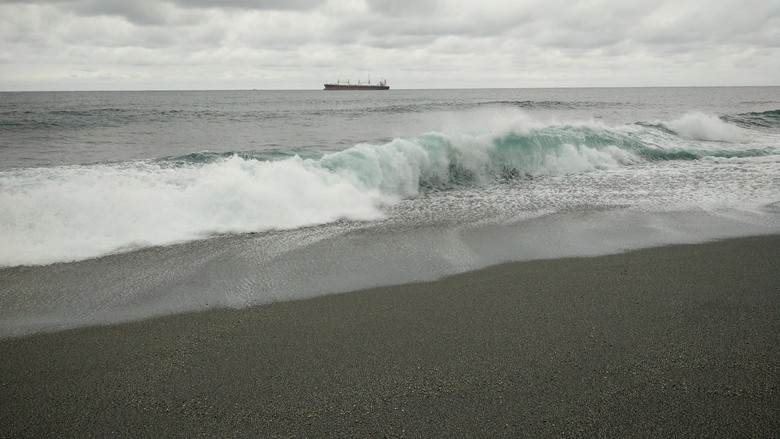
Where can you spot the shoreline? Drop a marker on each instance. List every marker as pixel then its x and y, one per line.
pixel 678 340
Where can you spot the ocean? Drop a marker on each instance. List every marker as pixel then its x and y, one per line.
pixel 118 206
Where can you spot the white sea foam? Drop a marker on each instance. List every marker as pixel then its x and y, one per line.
pixel 74 213
pixel 78 212
pixel 700 126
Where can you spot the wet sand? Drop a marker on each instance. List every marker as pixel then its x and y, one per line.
pixel 676 341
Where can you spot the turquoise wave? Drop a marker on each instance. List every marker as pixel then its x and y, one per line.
pixel 440 160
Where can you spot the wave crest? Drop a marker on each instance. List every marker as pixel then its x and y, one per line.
pixel 78 212
pixel 439 160
pixel 700 126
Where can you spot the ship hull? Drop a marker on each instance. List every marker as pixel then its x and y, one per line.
pixel 356 87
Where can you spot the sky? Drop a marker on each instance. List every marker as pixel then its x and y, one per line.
pixel 300 44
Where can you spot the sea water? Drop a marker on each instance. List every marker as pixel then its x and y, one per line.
pixel 125 205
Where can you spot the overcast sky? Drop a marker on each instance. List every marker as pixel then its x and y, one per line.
pixel 299 44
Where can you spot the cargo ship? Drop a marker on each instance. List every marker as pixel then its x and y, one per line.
pixel 382 85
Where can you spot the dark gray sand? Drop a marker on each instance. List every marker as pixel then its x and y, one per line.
pixel 677 341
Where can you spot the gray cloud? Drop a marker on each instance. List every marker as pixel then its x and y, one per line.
pixel 252 4
pixel 146 12
pixel 405 8
pixel 153 12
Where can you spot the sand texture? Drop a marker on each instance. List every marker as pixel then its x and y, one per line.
pixel 678 341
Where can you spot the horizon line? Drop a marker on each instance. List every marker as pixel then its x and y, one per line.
pixel 391 89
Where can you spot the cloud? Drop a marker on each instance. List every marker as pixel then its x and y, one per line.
pixel 406 8
pixel 423 43
pixel 296 5
pixel 153 12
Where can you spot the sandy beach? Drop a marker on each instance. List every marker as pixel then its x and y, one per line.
pixel 677 341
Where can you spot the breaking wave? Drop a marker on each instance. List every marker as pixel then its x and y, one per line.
pixel 78 212
pixel 700 126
